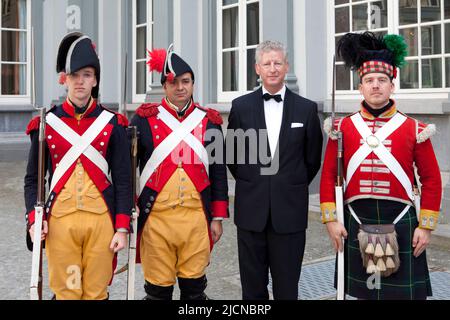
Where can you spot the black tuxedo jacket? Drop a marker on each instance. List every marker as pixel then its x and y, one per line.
pixel 282 196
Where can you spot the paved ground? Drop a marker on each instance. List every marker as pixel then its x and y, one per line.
pixel 223 273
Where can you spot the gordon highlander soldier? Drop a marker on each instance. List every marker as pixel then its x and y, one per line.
pixel 183 192
pixel 87 213
pixel 386 225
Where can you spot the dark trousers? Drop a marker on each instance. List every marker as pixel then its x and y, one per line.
pixel 261 251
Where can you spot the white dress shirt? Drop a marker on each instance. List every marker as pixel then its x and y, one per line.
pixel 273 112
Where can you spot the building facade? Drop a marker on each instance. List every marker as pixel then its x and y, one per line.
pixel 218 38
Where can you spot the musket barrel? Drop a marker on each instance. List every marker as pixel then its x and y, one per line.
pixel 339 192
pixel 41 161
pixel 340 178
pixel 131 271
pixel 36 265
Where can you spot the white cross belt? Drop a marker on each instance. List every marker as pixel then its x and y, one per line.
pixel 374 143
pixel 80 145
pixel 181 131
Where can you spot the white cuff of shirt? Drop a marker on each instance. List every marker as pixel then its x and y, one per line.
pixel 217 219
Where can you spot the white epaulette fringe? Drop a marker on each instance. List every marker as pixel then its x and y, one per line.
pixel 427 133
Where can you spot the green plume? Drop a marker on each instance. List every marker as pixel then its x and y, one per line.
pixel 398 46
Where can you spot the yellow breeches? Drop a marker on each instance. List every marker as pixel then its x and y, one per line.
pixel 175 240
pixel 79 258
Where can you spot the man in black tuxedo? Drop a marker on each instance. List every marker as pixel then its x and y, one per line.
pixel 271 202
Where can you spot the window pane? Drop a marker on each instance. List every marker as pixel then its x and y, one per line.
pixel 13 79
pixel 412 39
pixel 338 2
pixel 141 11
pixel 227 2
pixel 431 40
pixel 230 28
pixel 141 77
pixel 338 57
pixel 14 14
pixel 447 9
pixel 447 38
pixel 447 72
pixel 230 69
pixel 360 17
pixel 409 75
pixel 253 24
pixel 431 10
pixel 141 42
pixel 342 20
pixel 342 78
pixel 252 77
pixel 14 46
pixel 408 11
pixel 432 73
pixel 379 13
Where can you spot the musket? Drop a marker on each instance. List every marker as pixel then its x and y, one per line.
pixel 339 193
pixel 130 266
pixel 124 98
pixel 417 197
pixel 36 265
pixel 133 234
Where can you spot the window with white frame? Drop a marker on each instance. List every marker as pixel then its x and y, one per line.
pixel 14 41
pixel 357 16
pixel 425 25
pixel 142 41
pixel 238 35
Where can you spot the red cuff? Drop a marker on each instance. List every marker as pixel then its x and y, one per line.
pixel 123 221
pixel 219 209
pixel 30 219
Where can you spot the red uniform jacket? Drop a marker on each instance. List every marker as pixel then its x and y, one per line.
pixel 152 131
pixel 409 144
pixel 112 142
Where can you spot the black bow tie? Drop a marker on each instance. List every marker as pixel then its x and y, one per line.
pixel 276 97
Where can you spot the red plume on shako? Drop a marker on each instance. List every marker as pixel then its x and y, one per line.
pixel 168 63
pixel 157 60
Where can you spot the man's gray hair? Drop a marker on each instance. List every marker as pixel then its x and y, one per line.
pixel 268 46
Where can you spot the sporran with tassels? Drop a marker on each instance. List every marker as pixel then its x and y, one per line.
pixel 379 246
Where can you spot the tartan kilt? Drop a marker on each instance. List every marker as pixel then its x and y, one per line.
pixel 411 281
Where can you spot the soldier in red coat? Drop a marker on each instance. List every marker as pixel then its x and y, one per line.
pixel 87 215
pixel 381 149
pixel 183 188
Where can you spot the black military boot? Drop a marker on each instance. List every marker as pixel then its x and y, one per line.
pixel 157 293
pixel 193 289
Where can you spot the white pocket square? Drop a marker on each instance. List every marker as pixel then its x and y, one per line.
pixel 297 125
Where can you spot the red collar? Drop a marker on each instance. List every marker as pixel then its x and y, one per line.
pixel 69 108
pixel 169 108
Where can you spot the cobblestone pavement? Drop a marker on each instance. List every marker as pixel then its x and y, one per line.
pixel 223 273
